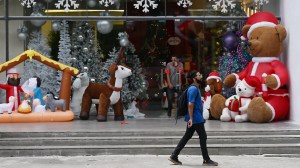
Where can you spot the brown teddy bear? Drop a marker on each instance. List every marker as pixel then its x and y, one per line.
pixel 265 37
pixel 108 94
pixel 213 86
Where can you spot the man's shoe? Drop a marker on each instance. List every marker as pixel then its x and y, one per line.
pixel 169 113
pixel 175 160
pixel 210 163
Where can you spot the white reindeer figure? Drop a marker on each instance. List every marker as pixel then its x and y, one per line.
pixel 7 106
pixel 79 85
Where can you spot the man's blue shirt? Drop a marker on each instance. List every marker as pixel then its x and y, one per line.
pixel 194 96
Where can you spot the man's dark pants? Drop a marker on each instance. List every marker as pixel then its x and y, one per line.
pixel 200 129
pixel 170 97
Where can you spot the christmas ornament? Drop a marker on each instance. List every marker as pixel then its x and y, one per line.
pixel 104 26
pixel 223 4
pixel 145 4
pixel 91 3
pixel 123 39
pixel 85 49
pixel 38 10
pixel 28 3
pixel 106 3
pixel 22 32
pixel 261 2
pixel 80 38
pixel 37 23
pixel 22 36
pixel 185 3
pixel 117 3
pixel 67 5
pixel 56 25
pixel 230 41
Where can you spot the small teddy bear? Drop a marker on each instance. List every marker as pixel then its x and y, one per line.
pixel 214 86
pixel 237 105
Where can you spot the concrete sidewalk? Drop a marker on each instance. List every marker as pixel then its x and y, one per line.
pixel 148 161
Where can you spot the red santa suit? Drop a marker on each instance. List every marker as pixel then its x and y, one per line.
pixel 12 90
pixel 277 99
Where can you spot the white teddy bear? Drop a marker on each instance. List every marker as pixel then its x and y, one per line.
pixel 206 103
pixel 237 105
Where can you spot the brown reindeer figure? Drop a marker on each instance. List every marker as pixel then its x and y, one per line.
pixel 108 94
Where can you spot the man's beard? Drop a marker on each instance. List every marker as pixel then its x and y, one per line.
pixel 13 81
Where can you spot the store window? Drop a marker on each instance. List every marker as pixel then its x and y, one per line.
pixel 152 37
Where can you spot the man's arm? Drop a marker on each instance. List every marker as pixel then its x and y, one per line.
pixel 167 72
pixel 191 111
pixel 180 71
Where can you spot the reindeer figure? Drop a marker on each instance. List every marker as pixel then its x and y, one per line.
pixel 108 94
pixel 7 106
pixel 52 104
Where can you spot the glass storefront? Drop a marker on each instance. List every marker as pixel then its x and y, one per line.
pixel 192 33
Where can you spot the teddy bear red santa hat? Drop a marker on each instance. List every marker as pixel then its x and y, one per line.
pixel 214 75
pixel 260 19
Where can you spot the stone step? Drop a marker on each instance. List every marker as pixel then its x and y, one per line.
pixel 143 133
pixel 191 149
pixel 146 140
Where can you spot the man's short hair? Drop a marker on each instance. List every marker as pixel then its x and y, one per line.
pixel 192 74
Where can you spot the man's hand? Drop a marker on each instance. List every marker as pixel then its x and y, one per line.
pixel 190 123
pixel 31 94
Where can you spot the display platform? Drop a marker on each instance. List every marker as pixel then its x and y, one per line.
pixel 48 116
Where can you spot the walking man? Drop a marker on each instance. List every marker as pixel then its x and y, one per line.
pixel 195 122
pixel 173 71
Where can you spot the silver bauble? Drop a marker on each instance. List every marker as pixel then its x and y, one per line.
pixel 104 26
pixel 73 60
pixel 80 38
pixel 91 3
pixel 56 26
pixel 124 42
pixel 22 36
pixel 37 23
pixel 117 3
pixel 85 49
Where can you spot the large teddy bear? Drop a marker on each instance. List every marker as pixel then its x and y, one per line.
pixel 265 37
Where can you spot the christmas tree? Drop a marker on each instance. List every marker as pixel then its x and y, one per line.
pixel 134 86
pixel 86 57
pixel 64 52
pixel 32 68
pixel 235 58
